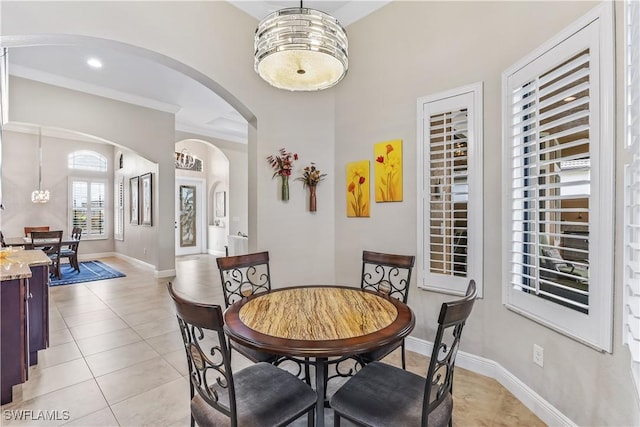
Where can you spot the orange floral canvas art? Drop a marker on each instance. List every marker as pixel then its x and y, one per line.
pixel 388 171
pixel 358 189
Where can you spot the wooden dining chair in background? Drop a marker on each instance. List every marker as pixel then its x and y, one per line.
pixel 49 242
pixel 384 395
pixel 388 274
pixel 71 251
pixel 258 395
pixel 28 230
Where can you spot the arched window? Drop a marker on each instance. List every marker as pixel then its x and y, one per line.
pixel 88 161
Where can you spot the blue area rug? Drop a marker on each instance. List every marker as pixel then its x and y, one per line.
pixel 89 271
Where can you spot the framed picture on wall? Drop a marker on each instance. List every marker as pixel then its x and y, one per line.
pixel 134 214
pixel 221 205
pixel 146 199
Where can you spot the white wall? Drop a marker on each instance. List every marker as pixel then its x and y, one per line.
pixel 407 50
pixel 216 39
pixel 148 132
pixel 20 178
pixel 140 241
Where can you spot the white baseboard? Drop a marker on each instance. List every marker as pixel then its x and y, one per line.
pixel 90 257
pixel 544 410
pixel 132 260
pixel 165 273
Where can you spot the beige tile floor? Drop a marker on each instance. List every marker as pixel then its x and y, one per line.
pixel 115 358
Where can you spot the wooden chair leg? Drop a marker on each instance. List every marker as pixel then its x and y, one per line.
pixel 336 419
pixel 404 360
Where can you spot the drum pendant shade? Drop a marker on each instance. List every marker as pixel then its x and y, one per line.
pixel 301 49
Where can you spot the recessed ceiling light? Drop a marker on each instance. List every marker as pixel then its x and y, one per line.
pixel 94 63
pixel 569 99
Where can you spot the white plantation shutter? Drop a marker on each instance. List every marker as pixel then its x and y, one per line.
pixel 558 147
pixel 631 275
pixel 88 207
pixel 79 204
pixel 118 221
pixel 450 190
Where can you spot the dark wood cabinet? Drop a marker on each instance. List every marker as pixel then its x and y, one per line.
pixel 14 361
pixel 38 310
pixel 24 313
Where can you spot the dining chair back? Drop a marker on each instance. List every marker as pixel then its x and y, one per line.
pixel 260 394
pixel 2 239
pixel 244 275
pixel 28 230
pixel 71 251
pixel 49 242
pixel 388 274
pixel 384 395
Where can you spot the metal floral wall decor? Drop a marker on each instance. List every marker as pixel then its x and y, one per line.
pixel 358 190
pixel 282 164
pixel 310 178
pixel 388 171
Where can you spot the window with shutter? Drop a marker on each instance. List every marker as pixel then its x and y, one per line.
pixel 631 275
pixel 88 206
pixel 558 146
pixel 88 193
pixel 118 221
pixel 450 190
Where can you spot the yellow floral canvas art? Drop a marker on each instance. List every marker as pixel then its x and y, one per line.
pixel 388 171
pixel 358 189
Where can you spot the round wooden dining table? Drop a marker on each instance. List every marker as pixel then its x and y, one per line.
pixel 318 322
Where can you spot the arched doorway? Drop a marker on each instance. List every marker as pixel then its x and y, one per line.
pixel 203 198
pixel 150 146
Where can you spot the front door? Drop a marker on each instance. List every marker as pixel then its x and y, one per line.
pixel 189 215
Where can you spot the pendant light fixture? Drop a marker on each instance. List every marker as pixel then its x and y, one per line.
pixel 301 49
pixel 40 195
pixel 185 160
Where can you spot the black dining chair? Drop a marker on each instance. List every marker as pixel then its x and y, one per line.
pixel 71 251
pixel 258 395
pixel 388 274
pixel 242 276
pixel 384 395
pixel 49 242
pixel 4 244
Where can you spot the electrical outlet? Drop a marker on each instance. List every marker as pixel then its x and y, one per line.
pixel 538 355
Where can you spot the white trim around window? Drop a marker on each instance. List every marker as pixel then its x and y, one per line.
pixel 450 198
pixel 91 198
pixel 558 108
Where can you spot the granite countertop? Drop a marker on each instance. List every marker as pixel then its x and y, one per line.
pixel 16 264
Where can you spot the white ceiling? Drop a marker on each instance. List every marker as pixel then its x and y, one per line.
pixel 136 80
